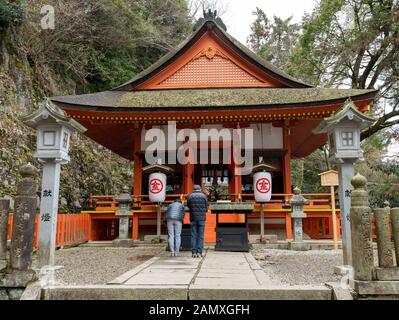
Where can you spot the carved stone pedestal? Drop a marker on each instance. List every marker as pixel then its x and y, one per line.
pixel 123 243
pixel 298 246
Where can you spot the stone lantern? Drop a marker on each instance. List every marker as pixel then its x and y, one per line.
pixel 297 203
pixel 54 128
pixel 343 129
pixel 124 203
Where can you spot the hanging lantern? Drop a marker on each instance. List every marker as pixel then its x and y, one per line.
pixel 262 186
pixel 157 187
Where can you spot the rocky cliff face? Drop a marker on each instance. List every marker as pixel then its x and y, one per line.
pixel 92 170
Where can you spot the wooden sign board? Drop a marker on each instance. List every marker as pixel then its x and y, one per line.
pixel 329 178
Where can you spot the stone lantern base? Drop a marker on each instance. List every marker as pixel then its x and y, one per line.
pixel 123 243
pixel 16 278
pixel 298 246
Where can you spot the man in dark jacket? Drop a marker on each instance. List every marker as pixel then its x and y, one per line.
pixel 197 202
pixel 174 217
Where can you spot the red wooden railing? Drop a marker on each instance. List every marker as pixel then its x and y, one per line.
pixel 318 225
pixel 109 203
pixel 71 229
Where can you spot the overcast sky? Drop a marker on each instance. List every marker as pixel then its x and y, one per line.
pixel 238 17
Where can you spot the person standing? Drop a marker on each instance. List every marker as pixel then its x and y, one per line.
pixel 197 202
pixel 174 218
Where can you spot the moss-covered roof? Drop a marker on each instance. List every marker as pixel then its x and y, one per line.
pixel 213 98
pixel 242 49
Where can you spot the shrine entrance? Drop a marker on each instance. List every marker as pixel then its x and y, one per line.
pixel 106 230
pixel 214 180
pixel 212 82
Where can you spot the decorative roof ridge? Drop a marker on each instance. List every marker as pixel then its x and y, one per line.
pixel 210 16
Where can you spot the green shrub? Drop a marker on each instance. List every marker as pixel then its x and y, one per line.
pixel 10 13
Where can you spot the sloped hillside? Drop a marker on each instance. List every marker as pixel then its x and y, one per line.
pixel 94 46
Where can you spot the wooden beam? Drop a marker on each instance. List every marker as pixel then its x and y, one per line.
pixel 138 163
pixel 188 178
pixel 287 161
pixel 138 178
pixel 135 227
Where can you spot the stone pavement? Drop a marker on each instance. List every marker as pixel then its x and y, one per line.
pixel 219 275
pixel 230 270
pixel 216 270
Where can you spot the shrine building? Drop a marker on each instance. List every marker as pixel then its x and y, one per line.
pixel 212 81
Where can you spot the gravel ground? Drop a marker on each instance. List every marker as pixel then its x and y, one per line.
pixel 88 265
pixel 314 267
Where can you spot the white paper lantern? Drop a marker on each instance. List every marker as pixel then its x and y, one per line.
pixel 157 187
pixel 262 186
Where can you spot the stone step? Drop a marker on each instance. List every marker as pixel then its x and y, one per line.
pixel 104 244
pixel 137 292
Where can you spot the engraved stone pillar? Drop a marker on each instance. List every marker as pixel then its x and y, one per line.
pixel 362 246
pixel 384 244
pixel 345 172
pixel 4 212
pixel 124 228
pixel 54 129
pixel 395 232
pixel 297 202
pixel 49 212
pixel 124 213
pixel 18 272
pixel 298 230
pixel 24 220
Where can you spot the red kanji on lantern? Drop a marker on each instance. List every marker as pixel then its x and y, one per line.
pixel 156 186
pixel 263 185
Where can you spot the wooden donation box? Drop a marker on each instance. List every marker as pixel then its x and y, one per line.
pixel 232 236
pixel 185 238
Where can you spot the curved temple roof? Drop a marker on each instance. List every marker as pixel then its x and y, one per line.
pixel 245 83
pixel 149 100
pixel 290 90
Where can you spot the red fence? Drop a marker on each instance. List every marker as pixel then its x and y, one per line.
pixel 71 229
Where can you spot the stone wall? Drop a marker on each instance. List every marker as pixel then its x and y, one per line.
pixel 371 281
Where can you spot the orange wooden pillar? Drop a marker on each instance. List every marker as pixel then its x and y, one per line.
pixel 338 226
pixel 188 173
pixel 138 178
pixel 189 166
pixel 235 188
pixel 235 185
pixel 210 228
pixel 287 161
pixel 188 178
pixel 90 227
pixel 287 175
pixel 135 227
